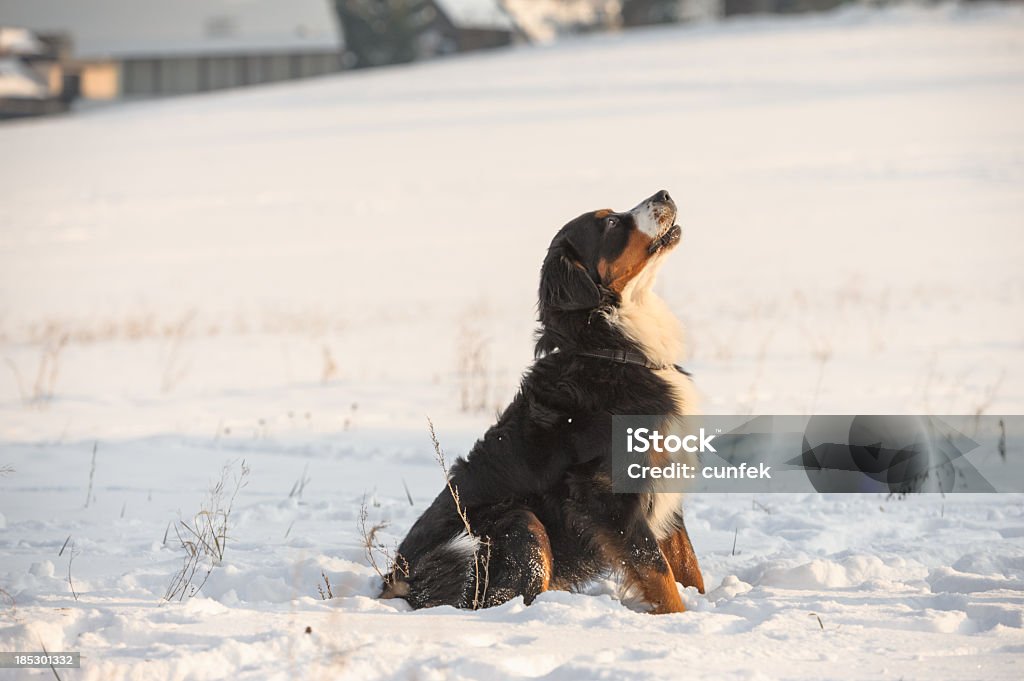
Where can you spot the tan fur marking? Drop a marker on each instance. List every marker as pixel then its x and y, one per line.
pixel 619 272
pixel 681 557
pixel 537 529
pixel 658 588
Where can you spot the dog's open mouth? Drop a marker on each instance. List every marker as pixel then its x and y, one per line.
pixel 670 237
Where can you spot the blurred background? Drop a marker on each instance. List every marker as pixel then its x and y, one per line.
pixel 56 53
pixel 261 242
pixel 349 201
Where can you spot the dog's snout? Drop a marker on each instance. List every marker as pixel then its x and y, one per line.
pixel 655 214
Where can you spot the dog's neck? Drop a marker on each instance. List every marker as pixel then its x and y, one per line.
pixel 639 319
pixel 644 318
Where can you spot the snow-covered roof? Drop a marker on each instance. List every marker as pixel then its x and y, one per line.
pixel 19 41
pixel 546 20
pixel 18 80
pixel 121 28
pixel 487 14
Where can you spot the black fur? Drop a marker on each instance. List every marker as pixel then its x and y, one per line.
pixel 537 486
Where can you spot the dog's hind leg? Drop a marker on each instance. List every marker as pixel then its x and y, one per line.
pixel 518 560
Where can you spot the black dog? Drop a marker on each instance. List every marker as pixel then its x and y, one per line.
pixel 536 490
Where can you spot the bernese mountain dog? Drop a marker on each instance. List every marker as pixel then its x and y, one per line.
pixel 536 510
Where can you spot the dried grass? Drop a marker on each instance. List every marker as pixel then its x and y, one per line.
pixel 481 563
pixel 205 539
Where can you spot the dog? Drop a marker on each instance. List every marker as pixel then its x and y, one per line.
pixel 531 507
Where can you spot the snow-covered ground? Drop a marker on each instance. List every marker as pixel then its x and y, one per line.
pixel 298 275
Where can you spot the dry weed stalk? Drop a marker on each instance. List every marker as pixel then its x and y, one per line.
pixel 175 367
pixel 821 350
pixel 25 397
pixel 205 539
pixel 329 593
pixel 52 668
pixel 300 485
pixel 329 370
pixel 72 552
pixel 92 473
pixel 481 563
pixel 49 368
pixel 6 596
pixel 752 391
pixel 47 372
pixel 926 387
pixel 374 548
pixel 723 349
pixel 472 358
pixel 989 396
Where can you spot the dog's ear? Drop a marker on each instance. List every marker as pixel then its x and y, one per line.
pixel 565 284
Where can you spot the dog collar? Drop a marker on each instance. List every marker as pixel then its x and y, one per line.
pixel 631 357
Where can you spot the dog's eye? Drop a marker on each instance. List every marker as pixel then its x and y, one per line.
pixel 611 221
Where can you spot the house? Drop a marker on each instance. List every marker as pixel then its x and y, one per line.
pixel 145 48
pixel 464 25
pixel 733 7
pixel 31 79
pixel 381 32
pixel 650 12
pixel 546 20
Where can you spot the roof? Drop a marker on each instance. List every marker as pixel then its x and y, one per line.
pixel 124 28
pixel 546 20
pixel 18 80
pixel 488 14
pixel 19 41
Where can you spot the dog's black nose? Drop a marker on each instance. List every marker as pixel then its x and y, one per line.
pixel 662 197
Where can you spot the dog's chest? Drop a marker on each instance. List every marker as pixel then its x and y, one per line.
pixel 680 386
pixel 666 501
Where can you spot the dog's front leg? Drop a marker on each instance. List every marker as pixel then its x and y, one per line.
pixel 636 553
pixel 682 558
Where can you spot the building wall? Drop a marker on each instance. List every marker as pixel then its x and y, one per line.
pixel 180 75
pixel 443 37
pixel 139 77
pixel 778 6
pixel 55 77
pixel 101 80
pixel 481 39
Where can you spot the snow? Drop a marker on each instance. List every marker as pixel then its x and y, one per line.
pixel 297 275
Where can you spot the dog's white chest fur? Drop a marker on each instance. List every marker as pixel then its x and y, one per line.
pixel 645 318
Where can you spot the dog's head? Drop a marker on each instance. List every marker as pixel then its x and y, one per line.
pixel 595 257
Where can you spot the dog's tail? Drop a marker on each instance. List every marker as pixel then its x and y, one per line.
pixel 446 574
